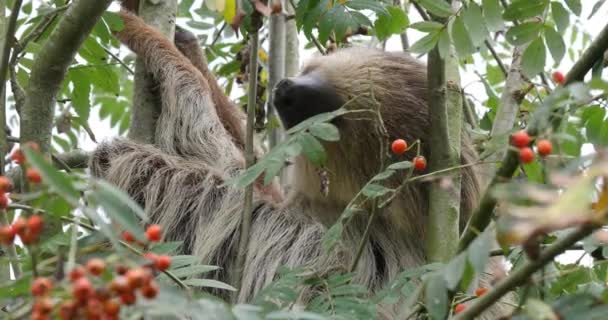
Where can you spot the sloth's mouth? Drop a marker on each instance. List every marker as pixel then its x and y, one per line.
pixel 297 99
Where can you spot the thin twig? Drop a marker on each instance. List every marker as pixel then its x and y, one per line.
pixel 122 63
pixel 496 57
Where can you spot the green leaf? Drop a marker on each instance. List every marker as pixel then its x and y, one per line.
pixel 58 181
pixel 479 250
pixel 427 26
pixel 436 297
pixel 523 9
pixel 192 270
pixel 444 43
pixel 462 40
pixel 523 33
pixel 183 8
pixel 533 59
pixel 81 92
pixel 373 190
pixel 389 24
pixel 400 165
pixel 166 247
pixel 555 43
pixel 475 24
pixel 454 270
pixel 425 44
pixel 492 11
pixel 332 236
pixel 595 8
pixel 325 131
pixel 383 175
pixel 113 21
pixel 561 16
pixel 575 6
pixel 312 149
pixel 208 283
pixel 438 8
pixel 373 5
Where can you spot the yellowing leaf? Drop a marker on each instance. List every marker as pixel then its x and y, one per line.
pixel 601 207
pixel 263 55
pixel 229 10
pixel 215 5
pixel 264 76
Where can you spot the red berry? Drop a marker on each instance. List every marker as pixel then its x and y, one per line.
pixel 5 184
pixel 96 266
pixel 94 308
pixel 520 139
pixel 35 223
pixel 67 310
pixel 544 147
pixel 18 156
pixel 162 263
pixel 43 305
pixel 481 291
pixel 459 308
pixel 128 236
pixel 111 308
pixel 120 285
pixel 121 269
pixel 28 237
pixel 136 278
pixel 128 298
pixel 419 163
pixel 33 175
pixel 41 286
pixel 154 232
pixel 150 290
pixel 558 77
pixel 526 155
pixel 3 200
pixel 7 235
pixel 82 289
pixel 150 256
pixel 76 273
pixel 20 225
pixel 399 146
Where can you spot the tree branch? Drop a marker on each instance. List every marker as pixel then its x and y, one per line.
pixel 51 65
pixel 519 276
pixel 483 215
pixel 276 68
pixel 146 105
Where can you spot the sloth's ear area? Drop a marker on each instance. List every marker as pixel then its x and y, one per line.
pixel 297 99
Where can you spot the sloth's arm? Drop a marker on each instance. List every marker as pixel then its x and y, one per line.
pixel 189 125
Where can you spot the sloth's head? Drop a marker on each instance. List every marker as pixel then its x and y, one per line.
pixel 391 84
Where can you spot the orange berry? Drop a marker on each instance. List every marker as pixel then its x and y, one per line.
pixel 399 146
pixel 5 184
pixel 419 163
pixel 150 290
pixel 154 232
pixel 67 310
pixel 128 236
pixel 76 273
pixel 459 308
pixel 96 266
pixel 121 269
pixel 119 285
pixel 162 263
pixel 40 316
pixel 28 237
pixel 481 291
pixel 520 139
pixel 544 147
pixel 128 298
pixel 3 200
pixel 82 289
pixel 558 77
pixel 35 224
pixel 33 175
pixel 7 235
pixel 43 305
pixel 18 156
pixel 111 308
pixel 136 278
pixel 41 286
pixel 20 226
pixel 94 308
pixel 526 155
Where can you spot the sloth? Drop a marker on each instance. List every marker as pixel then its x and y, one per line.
pixel 181 180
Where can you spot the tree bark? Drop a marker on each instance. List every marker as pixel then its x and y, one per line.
pixel 276 69
pixel 50 67
pixel 146 105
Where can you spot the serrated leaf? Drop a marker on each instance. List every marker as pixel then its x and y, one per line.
pixel 312 149
pixel 523 33
pixel 400 165
pixel 436 297
pixel 208 283
pixel 462 39
pixel 375 190
pixel 438 8
pixel 373 5
pixel 166 247
pixel 425 44
pixel 555 43
pixel 575 6
pixel 192 270
pixel 383 175
pixel 492 11
pixel 475 24
pixel 325 131
pixel 560 15
pixel 533 59
pixel 58 181
pixel 523 9
pixel 427 26
pixel 389 24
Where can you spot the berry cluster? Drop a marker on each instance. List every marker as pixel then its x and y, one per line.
pixel 521 140
pixel 28 230
pixel 90 297
pixel 478 293
pixel 399 147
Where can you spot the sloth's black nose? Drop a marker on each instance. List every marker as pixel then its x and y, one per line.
pixel 281 92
